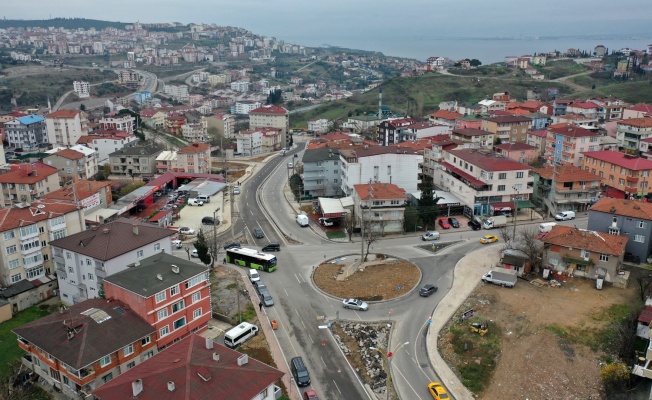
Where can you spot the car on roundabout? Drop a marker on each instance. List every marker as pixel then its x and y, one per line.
pixel 355 304
pixel 488 239
pixel 427 290
pixel 437 391
pixel 194 253
pixel 186 231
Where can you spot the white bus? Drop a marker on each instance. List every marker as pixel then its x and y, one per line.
pixel 240 334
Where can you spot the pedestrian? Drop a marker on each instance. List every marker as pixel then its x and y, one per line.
pixel 224 260
pixel 260 305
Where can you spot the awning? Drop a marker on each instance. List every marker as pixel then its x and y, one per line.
pixel 465 175
pixel 525 204
pixel 502 206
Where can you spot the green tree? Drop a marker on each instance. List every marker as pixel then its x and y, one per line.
pixel 475 62
pixel 411 219
pixel 428 208
pixel 202 246
pixel 296 185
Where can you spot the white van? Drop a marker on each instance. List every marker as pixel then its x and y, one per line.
pixel 204 198
pixel 546 227
pixel 240 334
pixel 302 220
pixel 253 275
pixel 564 216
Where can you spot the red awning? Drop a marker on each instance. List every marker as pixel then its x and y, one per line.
pixel 463 174
pixel 503 206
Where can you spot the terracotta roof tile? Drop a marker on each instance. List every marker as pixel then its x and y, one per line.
pixel 83 189
pixel 597 242
pixel 515 146
pixel 64 114
pixel 637 122
pixel 28 173
pixel 69 154
pixel 379 191
pixel 14 217
pixel 627 208
pixel 571 130
pixel 194 148
pixel 445 114
pixel 470 132
pixel 488 160
pixel 567 173
pixel 621 159
pixel 270 109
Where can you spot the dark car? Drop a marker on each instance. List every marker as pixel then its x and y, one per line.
pixel 454 222
pixel 260 286
pixel 475 225
pixel 265 297
pixel 427 290
pixel 272 247
pixel 209 221
pixel 232 245
pixel 258 233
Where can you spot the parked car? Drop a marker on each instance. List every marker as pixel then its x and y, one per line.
pixel 232 245
pixel 266 298
pixel 186 231
pixel 437 391
pixel 432 235
pixel 176 243
pixel 195 202
pixel 565 216
pixel 310 395
pixel 427 290
pixel 475 224
pixel 259 285
pixel 236 190
pixel 355 304
pixel 453 222
pixel 541 235
pixel 194 253
pixel 209 221
pixel 488 239
pixel 326 221
pixel 443 223
pixel 258 233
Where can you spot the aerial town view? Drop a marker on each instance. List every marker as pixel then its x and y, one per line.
pixel 193 210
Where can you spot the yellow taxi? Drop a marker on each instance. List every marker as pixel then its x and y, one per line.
pixel 437 391
pixel 488 239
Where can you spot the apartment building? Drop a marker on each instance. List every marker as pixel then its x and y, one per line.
pixel 381 164
pixel 508 128
pixel 28 132
pixel 77 162
pixel 538 140
pixel 135 160
pixel 566 143
pixel 194 158
pixel 361 123
pixel 78 350
pixel 82 89
pixel 84 259
pixel 445 117
pixel 224 123
pixel 250 143
pixel 245 107
pixel 105 142
pixel 475 137
pixel 641 110
pixel 121 122
pixel 206 369
pixel 129 78
pixel 565 188
pixel 153 117
pixel 177 92
pixel 170 293
pixel 195 131
pixel 380 206
pixel 240 86
pixel 586 108
pixel 483 179
pixel 28 182
pixel 580 120
pixel 322 172
pixel 624 175
pixel 612 108
pixel 89 195
pixel 65 127
pixel 630 132
pixel 521 152
pixel 272 116
pixel 318 125
pixel 27 229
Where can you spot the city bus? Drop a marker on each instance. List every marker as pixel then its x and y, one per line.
pixel 251 258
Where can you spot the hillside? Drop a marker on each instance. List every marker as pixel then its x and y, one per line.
pixel 67 23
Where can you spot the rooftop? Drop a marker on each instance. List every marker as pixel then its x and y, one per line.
pixel 598 242
pixel 68 154
pixel 64 114
pixel 379 191
pixel 642 107
pixel 506 119
pixel 148 150
pixel 470 132
pixel 30 119
pixel 445 114
pixel 194 148
pixel 567 173
pixel 83 189
pixel 518 146
pixel 488 160
pixel 28 173
pixel 637 122
pixel 31 213
pixel 585 105
pixel 627 208
pixel 320 154
pixel 620 159
pixel 270 109
pixel 571 130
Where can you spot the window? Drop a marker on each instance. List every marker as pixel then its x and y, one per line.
pixel 160 296
pixel 389 170
pixel 58 220
pixel 139 254
pixel 28 230
pixel 162 314
pixel 106 360
pixel 501 188
pixel 195 281
pixel 107 378
pixel 9 235
pixel 613 167
pixel 34 272
pixel 196 297
pixel 14 264
pixel 178 306
pixel 519 174
pixel 157 247
pixel 174 290
pixel 179 323
pixel 502 175
pixel 145 341
pixel 164 331
pixel 131 365
pixel 128 350
pixel 89 262
pixel 604 257
pixel 196 314
pixel 71 270
pixel 621 181
pixel 641 224
pixel 91 277
pixel 68 256
pixel 11 249
pixel 639 238
pixel 623 170
pixel 16 278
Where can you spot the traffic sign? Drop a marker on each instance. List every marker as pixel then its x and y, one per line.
pixel 430 320
pixel 390 354
pixel 398 287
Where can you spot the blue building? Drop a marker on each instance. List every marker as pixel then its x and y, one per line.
pixel 28 132
pixel 141 96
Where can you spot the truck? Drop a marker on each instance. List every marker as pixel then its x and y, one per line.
pixel 497 221
pixel 546 227
pixel 501 276
pixel 302 220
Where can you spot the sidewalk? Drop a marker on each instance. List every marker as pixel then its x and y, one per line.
pixel 466 277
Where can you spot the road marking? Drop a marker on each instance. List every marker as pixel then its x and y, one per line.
pixel 350 366
pixel 286 292
pixel 295 310
pixel 416 340
pixel 304 325
pixel 310 338
pixel 338 388
pixel 408 383
pixel 358 315
pixel 298 280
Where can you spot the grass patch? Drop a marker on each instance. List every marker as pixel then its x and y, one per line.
pixel 247 315
pixel 335 234
pixel 9 350
pixel 231 286
pixel 561 68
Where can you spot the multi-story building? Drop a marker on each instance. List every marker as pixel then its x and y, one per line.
pixel 65 127
pixel 195 131
pixel 612 109
pixel 177 92
pixel 630 132
pixel 170 293
pixel 629 218
pixel 203 368
pixel 155 118
pixel 194 158
pixel 27 229
pixel 380 206
pixel 476 137
pixel 105 142
pixel 272 116
pixel 84 259
pixel 135 160
pixel 508 128
pixel 77 162
pixel 322 172
pixel 580 120
pixel 78 349
pixel 389 132
pixel 538 140
pixel 565 188
pixel 566 143
pixel 166 161
pixel 129 78
pixel 82 89
pixel 585 253
pixel 483 179
pixel 586 108
pixel 250 143
pixel 624 175
pixel 361 123
pixel 638 111
pixel 318 125
pixel 122 122
pixel 381 164
pixel 28 132
pixel 244 107
pixel 519 151
pixel 444 117
pixel 224 123
pixel 240 86
pixel 28 182
pixel 89 195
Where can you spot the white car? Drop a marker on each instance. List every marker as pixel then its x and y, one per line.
pixel 355 304
pixel 236 190
pixel 194 253
pixel 290 165
pixel 195 202
pixel 186 231
pixel 325 222
pixel 176 243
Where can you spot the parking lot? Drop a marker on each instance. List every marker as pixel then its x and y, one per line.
pixel 191 216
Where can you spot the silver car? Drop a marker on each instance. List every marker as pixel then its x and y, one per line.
pixel 355 304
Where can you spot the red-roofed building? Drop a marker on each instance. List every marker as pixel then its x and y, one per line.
pixel 612 108
pixel 638 111
pixel 89 195
pixel 624 175
pixel 381 206
pixel 123 122
pixel 153 117
pixel 444 117
pixel 65 127
pixel 521 152
pixel 272 116
pixel 106 142
pixel 477 137
pixel 174 124
pixel 586 108
pixel 195 369
pixel 508 128
pixel 480 177
pixel 28 182
pixel 630 132
pixel 194 158
pixel 538 139
pixel 572 189
pixel 565 143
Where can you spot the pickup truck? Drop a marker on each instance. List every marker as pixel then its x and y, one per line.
pixel 503 277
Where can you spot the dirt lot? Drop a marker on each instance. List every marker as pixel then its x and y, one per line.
pixel 542 339
pixel 377 281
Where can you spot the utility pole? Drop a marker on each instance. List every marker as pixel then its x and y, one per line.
pixel 362 222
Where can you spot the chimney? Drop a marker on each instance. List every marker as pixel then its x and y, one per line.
pixel 135 229
pixel 243 359
pixel 170 386
pixel 175 269
pixel 209 343
pixel 105 230
pixel 159 277
pixel 136 387
pixel 216 357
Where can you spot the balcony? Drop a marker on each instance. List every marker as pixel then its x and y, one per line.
pixel 632 179
pixel 26 360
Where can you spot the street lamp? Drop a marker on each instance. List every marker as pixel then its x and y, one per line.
pixel 215 235
pixel 389 355
pixel 516 189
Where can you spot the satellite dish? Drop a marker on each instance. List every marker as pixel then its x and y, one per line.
pixel 40 206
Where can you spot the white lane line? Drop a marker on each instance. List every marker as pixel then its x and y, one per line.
pixel 408 383
pixel 298 280
pixel 313 342
pixel 322 361
pixel 304 325
pixel 416 340
pixel 358 315
pixel 295 310
pixel 338 388
pixel 351 367
pixel 286 292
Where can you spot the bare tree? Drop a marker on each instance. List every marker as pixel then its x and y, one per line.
pixel 505 233
pixel 527 242
pixel 373 230
pixel 214 243
pixel 350 223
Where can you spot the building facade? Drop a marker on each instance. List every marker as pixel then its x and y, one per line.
pixel 622 174
pixel 566 143
pixel 322 172
pixel 476 137
pixel 195 158
pixel 380 207
pixel 105 142
pixel 565 188
pixel 27 183
pixel 28 133
pixel 122 122
pixel 630 132
pixel 65 127
pixel 250 143
pixel 508 128
pixel 135 161
pixel 272 116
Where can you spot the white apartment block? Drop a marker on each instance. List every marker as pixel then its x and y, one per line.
pixel 245 107
pixel 195 131
pixel 82 89
pixel 250 143
pixel 318 125
pixel 240 86
pixel 65 127
pixel 123 122
pixel 177 92
pixel 271 116
pixel 107 142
